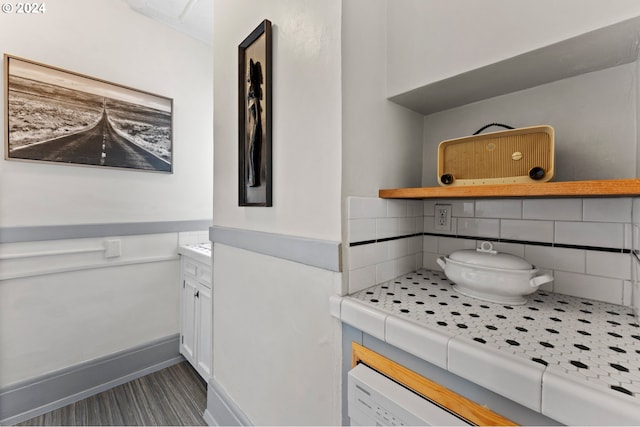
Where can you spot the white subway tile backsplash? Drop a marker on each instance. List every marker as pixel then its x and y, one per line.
pixel 365 255
pixel 415 208
pixel 430 244
pixel 572 260
pixel 447 245
pixel 386 271
pixel 552 209
pixel 607 209
pixel 406 226
pixel 396 208
pixel 600 275
pixel 415 244
pixel 526 230
pixel 592 287
pixel 606 235
pixel 478 227
pixel 463 208
pixel 362 278
pixel 627 293
pixel 608 264
pixel 506 208
pixel 408 264
pixel 398 248
pixel 366 207
pixel 361 230
pixel 430 206
pixel 429 261
pixel 386 227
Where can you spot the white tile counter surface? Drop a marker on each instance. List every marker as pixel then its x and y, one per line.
pixel 572 359
pixel 199 251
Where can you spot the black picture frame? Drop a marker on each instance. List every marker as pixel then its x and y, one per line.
pixel 63 117
pixel 255 117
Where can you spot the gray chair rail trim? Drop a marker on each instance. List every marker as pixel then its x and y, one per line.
pixel 323 254
pixel 221 409
pixel 79 231
pixel 36 396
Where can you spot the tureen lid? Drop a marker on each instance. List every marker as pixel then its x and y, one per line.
pixel 485 256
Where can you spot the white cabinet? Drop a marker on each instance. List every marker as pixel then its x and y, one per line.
pixel 195 314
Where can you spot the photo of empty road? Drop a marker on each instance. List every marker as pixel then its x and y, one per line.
pixel 56 116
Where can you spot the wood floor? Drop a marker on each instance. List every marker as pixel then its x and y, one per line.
pixel 174 396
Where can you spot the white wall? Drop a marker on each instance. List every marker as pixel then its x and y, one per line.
pixel 432 40
pixel 593 116
pixel 276 348
pixel 306 116
pixel 61 310
pixel 381 140
pixel 107 40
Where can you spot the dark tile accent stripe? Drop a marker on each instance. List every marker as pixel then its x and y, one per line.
pixel 385 239
pixel 494 239
pixel 532 243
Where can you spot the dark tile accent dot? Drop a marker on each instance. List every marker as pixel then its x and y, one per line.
pixel 615 335
pixel 420 302
pixel 462 326
pixel 474 315
pixel 546 344
pixel 442 323
pixel 552 331
pixel 579 364
pixel 430 312
pixel 619 367
pixel 581 347
pixel 614 323
pixel 521 329
pixel 397 301
pixel 560 310
pixel 404 310
pixel 584 321
pixel 513 342
pixel 555 319
pixel 621 390
pixel 491 327
pixel 585 333
pixel 617 349
pixel 528 318
pixel 613 313
pixel 480 340
pixel 541 361
pixel 374 300
pixel 533 308
pixel 636 337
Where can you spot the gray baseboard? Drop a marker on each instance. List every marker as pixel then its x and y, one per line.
pixel 221 409
pixel 37 396
pixel 314 252
pixel 81 231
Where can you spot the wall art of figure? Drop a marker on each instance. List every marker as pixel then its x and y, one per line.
pixel 254 78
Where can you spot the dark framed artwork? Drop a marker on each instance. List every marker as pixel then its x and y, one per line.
pixel 254 114
pixel 59 116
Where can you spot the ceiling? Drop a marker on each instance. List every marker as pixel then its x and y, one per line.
pixel 192 17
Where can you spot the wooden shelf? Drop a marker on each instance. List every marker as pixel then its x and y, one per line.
pixel 602 188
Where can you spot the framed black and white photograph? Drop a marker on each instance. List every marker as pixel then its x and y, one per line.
pixel 254 113
pixel 59 116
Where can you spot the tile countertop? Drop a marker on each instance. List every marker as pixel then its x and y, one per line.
pixel 571 359
pixel 199 251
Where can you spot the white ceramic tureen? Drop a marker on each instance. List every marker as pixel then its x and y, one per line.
pixel 492 276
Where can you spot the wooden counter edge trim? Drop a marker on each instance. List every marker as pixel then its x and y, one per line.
pixel 466 408
pixel 610 187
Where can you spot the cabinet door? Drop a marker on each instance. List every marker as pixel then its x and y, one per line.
pixel 189 310
pixel 203 348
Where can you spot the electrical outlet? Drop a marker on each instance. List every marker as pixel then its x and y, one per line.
pixel 443 217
